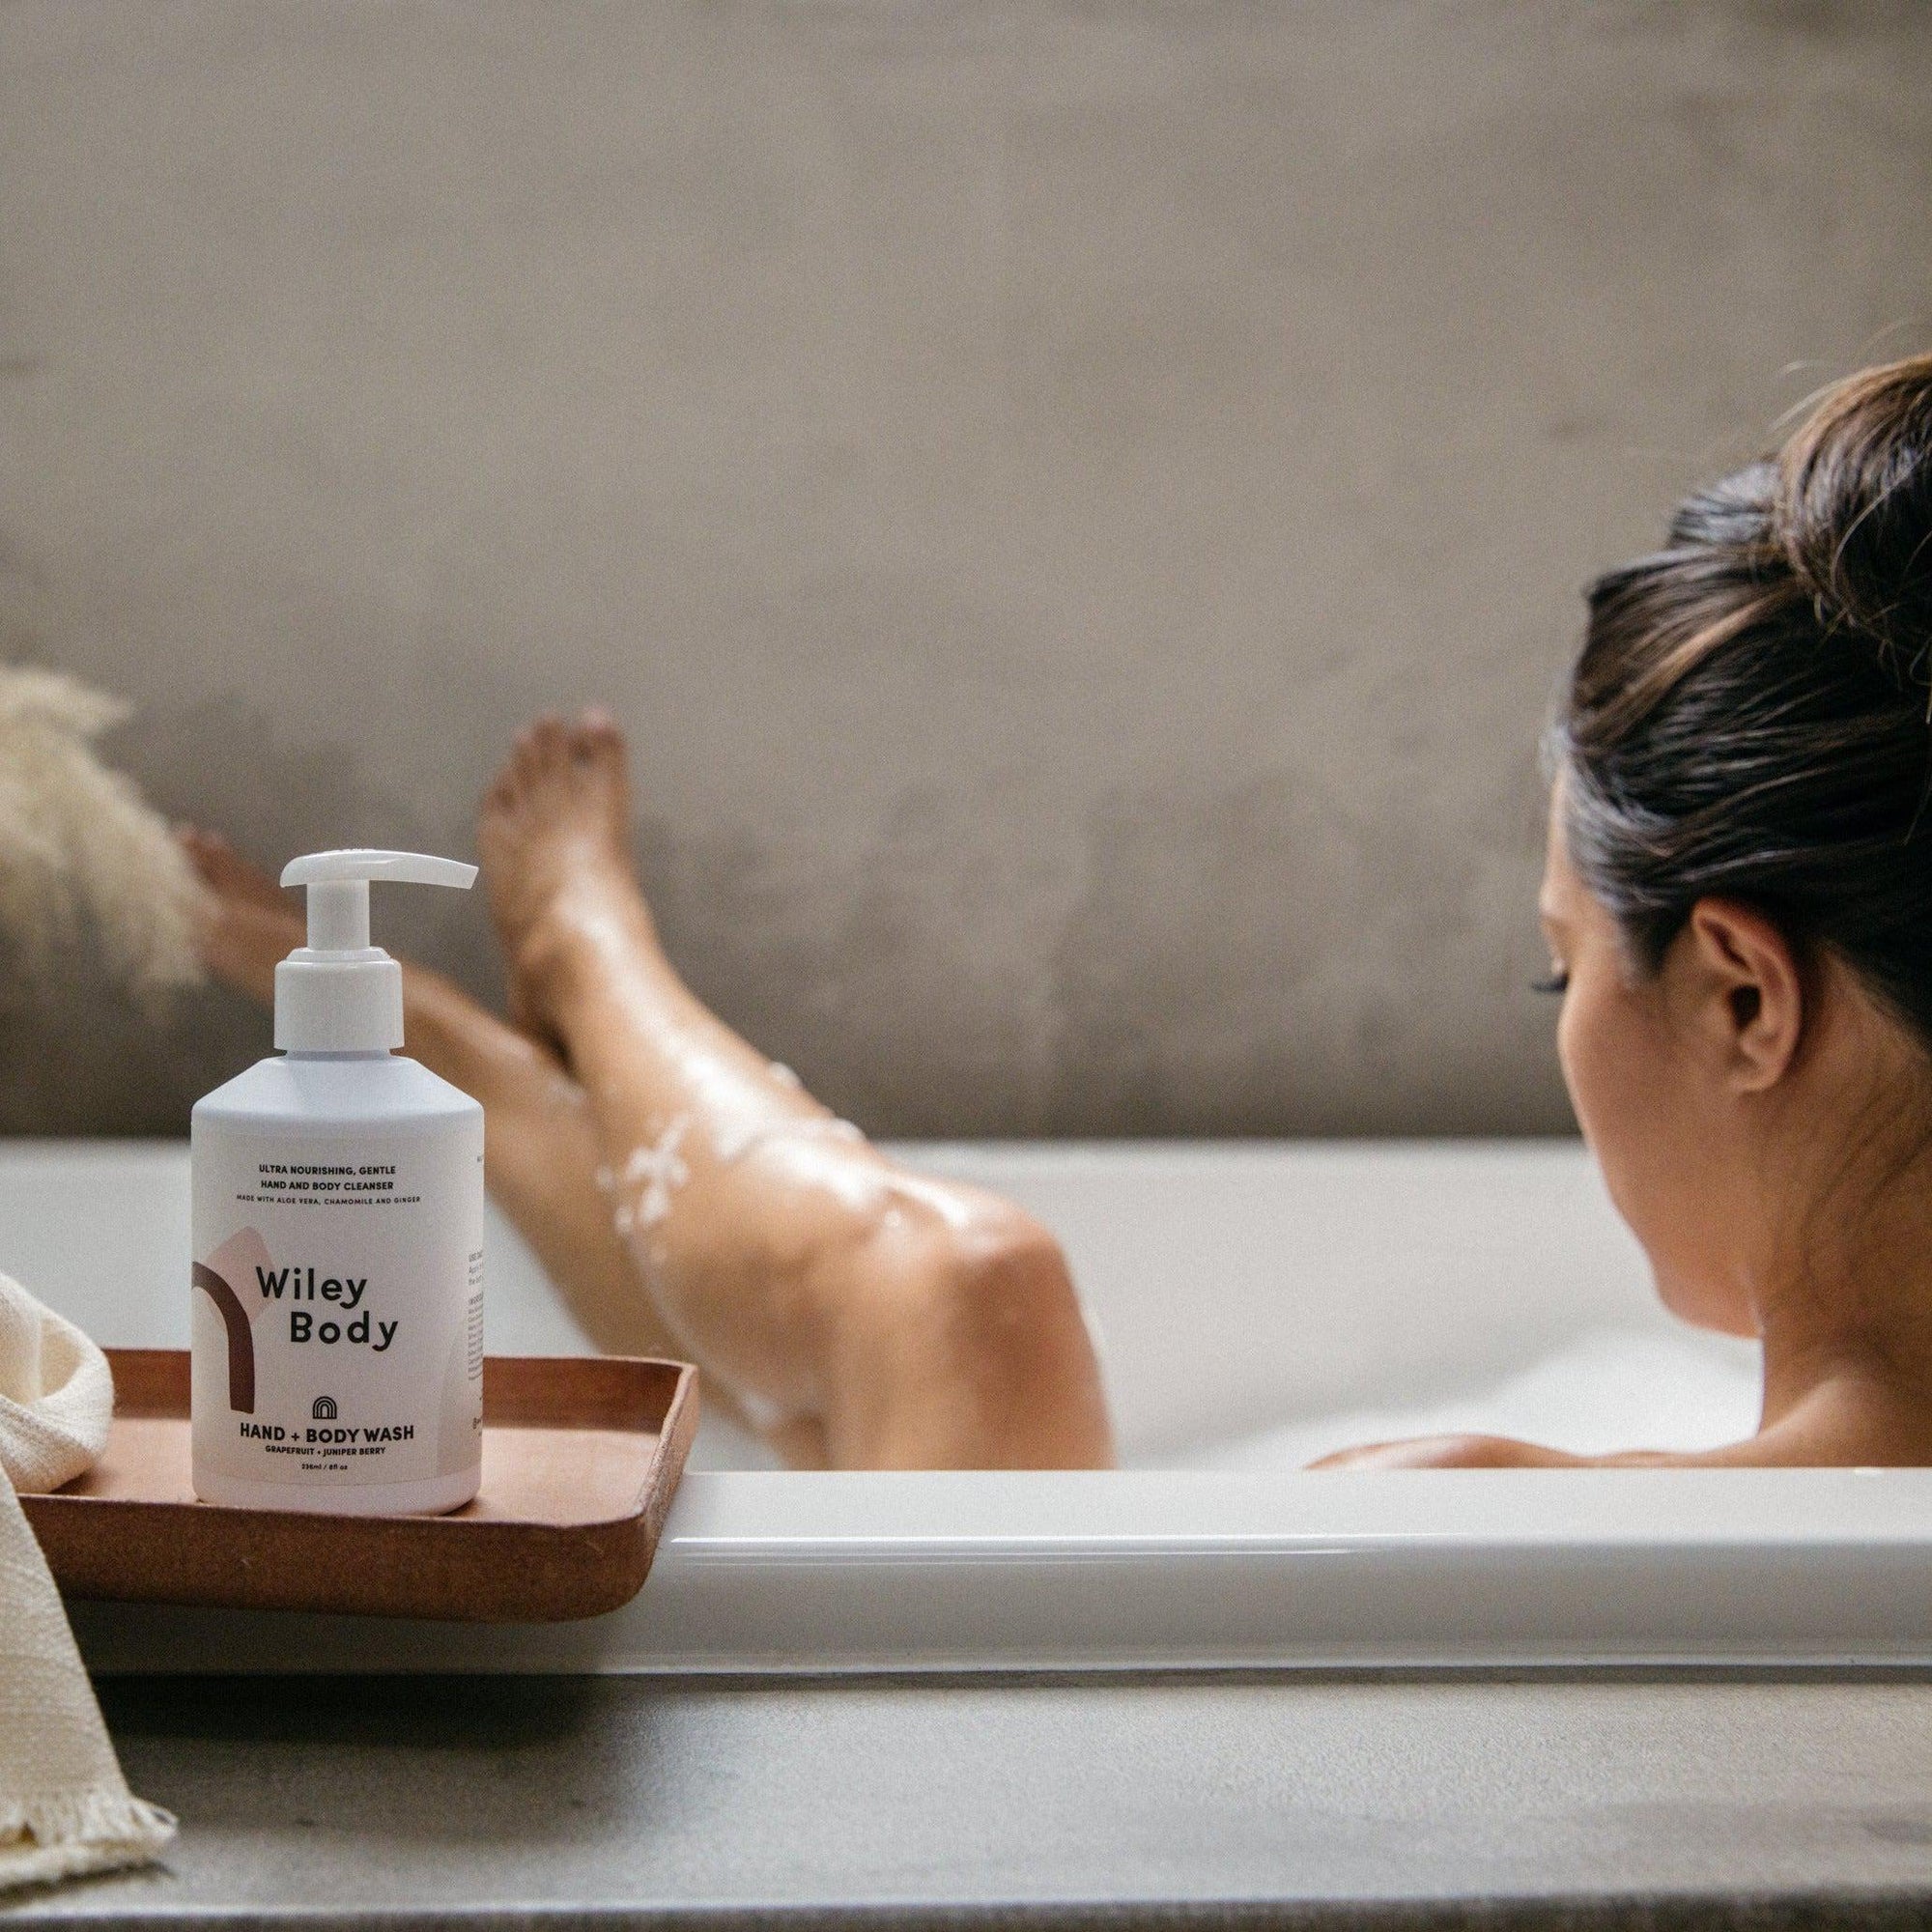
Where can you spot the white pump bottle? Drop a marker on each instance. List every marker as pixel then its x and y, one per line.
pixel 338 1237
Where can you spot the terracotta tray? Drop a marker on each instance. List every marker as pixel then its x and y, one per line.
pixel 580 1458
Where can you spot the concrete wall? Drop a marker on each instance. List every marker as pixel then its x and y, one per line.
pixel 1080 506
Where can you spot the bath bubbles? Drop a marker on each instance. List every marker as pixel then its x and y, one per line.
pixel 733 1142
pixel 658 1171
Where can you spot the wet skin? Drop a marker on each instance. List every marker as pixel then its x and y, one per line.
pixel 689 1197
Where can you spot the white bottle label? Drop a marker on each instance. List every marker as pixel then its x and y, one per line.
pixel 338 1306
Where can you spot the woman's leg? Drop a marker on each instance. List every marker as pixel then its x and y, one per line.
pixel 863 1315
pixel 540 1156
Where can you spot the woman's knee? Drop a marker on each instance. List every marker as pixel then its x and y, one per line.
pixel 973 1350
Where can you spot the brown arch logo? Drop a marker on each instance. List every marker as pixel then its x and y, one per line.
pixel 240 1337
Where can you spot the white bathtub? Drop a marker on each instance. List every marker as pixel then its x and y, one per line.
pixel 1252 1303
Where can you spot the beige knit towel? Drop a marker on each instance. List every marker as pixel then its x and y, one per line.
pixel 64 1805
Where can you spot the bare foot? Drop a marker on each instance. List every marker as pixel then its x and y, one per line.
pixel 554 840
pixel 251 925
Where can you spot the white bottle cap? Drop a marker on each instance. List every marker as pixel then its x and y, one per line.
pixel 339 994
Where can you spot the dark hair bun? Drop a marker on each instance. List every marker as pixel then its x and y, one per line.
pixel 1853 513
pixel 1734 514
pixel 1751 717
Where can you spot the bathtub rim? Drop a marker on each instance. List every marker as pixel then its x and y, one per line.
pixel 779 1574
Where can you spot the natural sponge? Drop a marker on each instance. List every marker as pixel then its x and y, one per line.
pixel 83 857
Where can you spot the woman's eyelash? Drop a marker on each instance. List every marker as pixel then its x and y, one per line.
pixel 1557 983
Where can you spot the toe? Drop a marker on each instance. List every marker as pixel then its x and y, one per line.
pixel 599 738
pixel 504 787
pixel 524 764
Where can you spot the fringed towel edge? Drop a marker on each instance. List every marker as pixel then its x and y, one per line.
pixel 62 1833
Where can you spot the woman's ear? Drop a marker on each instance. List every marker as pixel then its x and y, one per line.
pixel 1747 991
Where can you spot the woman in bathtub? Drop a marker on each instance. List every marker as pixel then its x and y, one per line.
pixel 1738 901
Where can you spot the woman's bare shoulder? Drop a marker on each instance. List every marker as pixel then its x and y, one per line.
pixel 1452 1452
pixel 1844 1422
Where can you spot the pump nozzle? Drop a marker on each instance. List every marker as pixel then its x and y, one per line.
pixel 339 994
